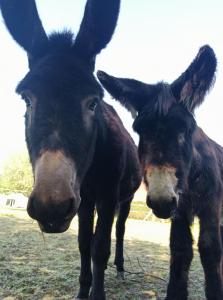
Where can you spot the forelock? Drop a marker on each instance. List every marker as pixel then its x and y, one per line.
pixel 61 41
pixel 158 106
pixel 165 100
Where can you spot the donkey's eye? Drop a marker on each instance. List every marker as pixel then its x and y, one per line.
pixel 181 139
pixel 27 100
pixel 93 104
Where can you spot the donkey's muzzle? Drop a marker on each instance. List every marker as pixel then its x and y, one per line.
pixel 55 197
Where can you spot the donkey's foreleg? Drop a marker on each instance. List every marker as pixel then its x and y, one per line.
pixel 123 213
pixel 86 219
pixel 101 247
pixel 210 248
pixel 181 256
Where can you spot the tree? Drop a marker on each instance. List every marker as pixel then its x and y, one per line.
pixel 17 175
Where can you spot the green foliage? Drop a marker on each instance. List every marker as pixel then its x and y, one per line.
pixel 17 175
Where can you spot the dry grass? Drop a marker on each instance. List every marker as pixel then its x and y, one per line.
pixel 34 269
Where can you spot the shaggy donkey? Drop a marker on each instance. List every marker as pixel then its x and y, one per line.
pixel 183 167
pixel 82 156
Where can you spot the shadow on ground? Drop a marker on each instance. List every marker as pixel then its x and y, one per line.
pixel 32 268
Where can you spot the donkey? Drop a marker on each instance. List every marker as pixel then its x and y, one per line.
pixel 182 166
pixel 82 156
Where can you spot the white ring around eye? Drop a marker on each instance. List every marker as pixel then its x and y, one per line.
pixel 27 100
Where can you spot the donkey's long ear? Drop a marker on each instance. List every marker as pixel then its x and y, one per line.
pixel 131 93
pixel 23 22
pixel 97 28
pixel 190 88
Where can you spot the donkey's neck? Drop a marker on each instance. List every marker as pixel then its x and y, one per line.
pixel 206 173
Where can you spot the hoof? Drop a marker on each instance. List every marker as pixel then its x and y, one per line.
pixel 120 275
pixel 97 297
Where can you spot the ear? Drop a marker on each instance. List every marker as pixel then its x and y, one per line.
pixel 97 28
pixel 23 22
pixel 190 88
pixel 131 93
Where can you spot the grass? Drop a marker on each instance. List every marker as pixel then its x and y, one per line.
pixel 34 269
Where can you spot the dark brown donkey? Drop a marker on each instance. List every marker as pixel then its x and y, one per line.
pixel 183 168
pixel 82 156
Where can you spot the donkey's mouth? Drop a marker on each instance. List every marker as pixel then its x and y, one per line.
pixel 166 209
pixel 162 209
pixel 162 213
pixel 54 227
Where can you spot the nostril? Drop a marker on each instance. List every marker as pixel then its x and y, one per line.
pixel 31 208
pixel 70 207
pixel 174 202
pixel 50 210
pixel 150 203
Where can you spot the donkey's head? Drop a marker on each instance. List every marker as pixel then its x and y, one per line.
pixel 63 104
pixel 165 124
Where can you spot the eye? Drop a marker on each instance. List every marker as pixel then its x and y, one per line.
pixel 27 99
pixel 93 104
pixel 181 139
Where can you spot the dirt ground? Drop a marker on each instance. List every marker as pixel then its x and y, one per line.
pixel 37 267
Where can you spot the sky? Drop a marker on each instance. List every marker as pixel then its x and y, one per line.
pixel 154 40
